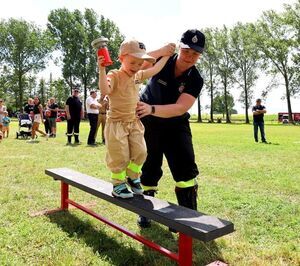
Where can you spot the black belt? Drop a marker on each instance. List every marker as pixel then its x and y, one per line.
pixel 102 113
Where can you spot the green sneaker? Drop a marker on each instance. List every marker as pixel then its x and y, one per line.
pixel 135 185
pixel 121 191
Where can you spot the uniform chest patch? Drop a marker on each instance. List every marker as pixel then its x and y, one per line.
pixel 181 87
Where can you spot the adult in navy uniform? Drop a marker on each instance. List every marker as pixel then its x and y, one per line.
pixel 258 111
pixel 74 112
pixel 164 111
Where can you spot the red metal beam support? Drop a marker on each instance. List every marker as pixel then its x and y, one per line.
pixel 162 250
pixel 185 243
pixel 185 252
pixel 64 196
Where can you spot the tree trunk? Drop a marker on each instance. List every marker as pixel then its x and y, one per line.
pixel 211 101
pixel 20 100
pixel 199 110
pixel 246 105
pixel 288 98
pixel 226 105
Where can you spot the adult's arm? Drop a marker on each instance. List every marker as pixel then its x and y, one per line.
pixel 183 104
pixel 92 105
pixel 67 112
pixel 258 112
pixel 82 113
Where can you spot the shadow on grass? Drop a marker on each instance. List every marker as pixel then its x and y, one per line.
pixel 98 240
pixel 119 254
pixel 203 253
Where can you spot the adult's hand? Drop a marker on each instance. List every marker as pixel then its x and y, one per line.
pixel 143 109
pixel 168 49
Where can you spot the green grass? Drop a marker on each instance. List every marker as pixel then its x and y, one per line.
pixel 238 118
pixel 256 186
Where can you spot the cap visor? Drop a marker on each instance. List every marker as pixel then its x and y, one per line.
pixel 194 47
pixel 144 56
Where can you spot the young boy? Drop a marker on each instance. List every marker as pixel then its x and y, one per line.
pixel 124 132
pixel 5 124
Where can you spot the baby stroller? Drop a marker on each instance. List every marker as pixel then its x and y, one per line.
pixel 25 125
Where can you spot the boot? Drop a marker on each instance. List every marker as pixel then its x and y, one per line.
pixel 76 139
pixel 186 197
pixel 143 221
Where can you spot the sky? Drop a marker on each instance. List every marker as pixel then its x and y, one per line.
pixel 158 22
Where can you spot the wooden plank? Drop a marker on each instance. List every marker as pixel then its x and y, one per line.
pixel 187 221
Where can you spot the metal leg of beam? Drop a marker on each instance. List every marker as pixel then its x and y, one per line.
pixel 185 252
pixel 64 196
pixel 137 237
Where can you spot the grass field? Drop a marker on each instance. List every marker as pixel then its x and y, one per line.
pixel 254 185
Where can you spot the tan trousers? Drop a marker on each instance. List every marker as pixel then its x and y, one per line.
pixel 126 149
pixel 101 121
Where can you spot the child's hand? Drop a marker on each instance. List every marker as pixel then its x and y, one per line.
pixel 100 61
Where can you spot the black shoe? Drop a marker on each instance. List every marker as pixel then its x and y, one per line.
pixel 92 144
pixel 264 141
pixel 173 230
pixel 144 222
pixel 77 143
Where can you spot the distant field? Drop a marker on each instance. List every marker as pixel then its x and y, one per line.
pixel 254 185
pixel 239 118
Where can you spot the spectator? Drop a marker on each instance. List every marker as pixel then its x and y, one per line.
pixel 92 109
pixel 28 109
pixel 37 119
pixel 53 108
pixel 2 110
pixel 46 115
pixel 74 112
pixel 258 111
pixel 5 127
pixel 103 101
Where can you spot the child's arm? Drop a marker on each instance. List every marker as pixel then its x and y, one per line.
pixel 103 83
pixel 150 72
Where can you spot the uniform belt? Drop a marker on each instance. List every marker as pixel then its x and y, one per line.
pixel 102 113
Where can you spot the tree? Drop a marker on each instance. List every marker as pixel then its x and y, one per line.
pixel 225 68
pixel 25 49
pixel 292 18
pixel 74 33
pixel 246 61
pixel 209 64
pixel 42 91
pixel 199 120
pixel 61 90
pixel 220 105
pixel 278 47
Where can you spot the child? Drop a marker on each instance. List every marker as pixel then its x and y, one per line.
pixel 5 124
pixel 38 118
pixel 124 132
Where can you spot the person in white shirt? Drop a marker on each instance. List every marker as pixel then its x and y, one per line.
pixel 92 109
